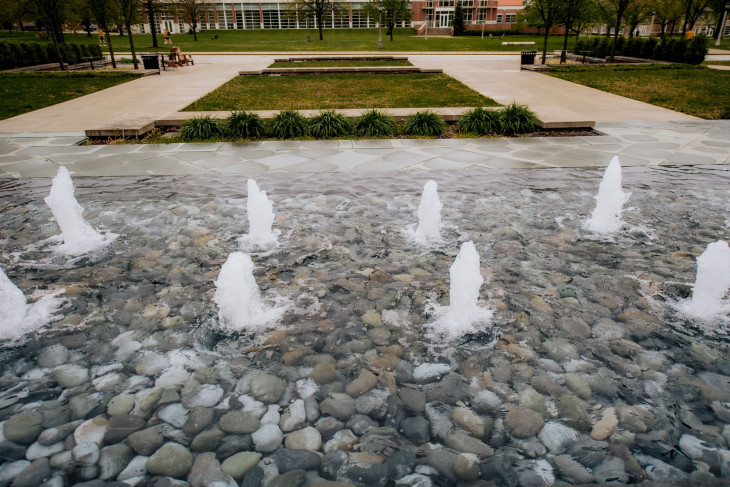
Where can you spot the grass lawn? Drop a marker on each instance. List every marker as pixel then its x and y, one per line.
pixel 25 92
pixel 295 40
pixel 697 91
pixel 338 64
pixel 340 91
pixel 716 63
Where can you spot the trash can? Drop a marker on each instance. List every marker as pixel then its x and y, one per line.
pixel 151 61
pixel 528 57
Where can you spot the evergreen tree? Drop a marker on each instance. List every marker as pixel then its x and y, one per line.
pixel 459 26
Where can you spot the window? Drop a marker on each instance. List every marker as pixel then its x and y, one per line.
pixel 481 15
pixel 509 18
pixel 467 3
pixel 270 12
pixel 446 3
pixel 468 16
pixel 499 17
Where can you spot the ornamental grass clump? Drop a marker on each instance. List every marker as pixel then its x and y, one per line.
pixel 479 121
pixel 329 124
pixel 425 123
pixel 288 124
pixel 517 119
pixel 200 128
pixel 374 123
pixel 244 125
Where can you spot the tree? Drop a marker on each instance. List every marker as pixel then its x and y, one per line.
pixel 190 11
pixel 52 13
pixel 129 12
pixel 151 9
pixel 103 13
pixel 317 10
pixel 619 8
pixel 668 12
pixel 388 13
pixel 548 11
pixel 694 9
pixel 459 26
pixel 637 13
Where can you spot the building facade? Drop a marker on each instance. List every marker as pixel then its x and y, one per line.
pixel 487 14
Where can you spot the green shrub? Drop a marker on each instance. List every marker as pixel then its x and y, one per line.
pixel 374 123
pixel 78 55
pixel 40 53
pixel 85 51
pixel 517 119
pixel 95 50
pixel 696 50
pixel 424 123
pixel 27 55
pixel 17 54
pixel 479 121
pixel 632 47
pixel 244 125
pixel 725 114
pixel 199 128
pixel 648 47
pixel 51 53
pixel 329 124
pixel 288 124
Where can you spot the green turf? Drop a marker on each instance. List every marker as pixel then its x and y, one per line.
pixel 25 92
pixel 342 40
pixel 340 91
pixel 338 64
pixel 697 91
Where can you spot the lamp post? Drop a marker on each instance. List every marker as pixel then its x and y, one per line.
pixel 484 21
pixel 380 25
pixel 722 24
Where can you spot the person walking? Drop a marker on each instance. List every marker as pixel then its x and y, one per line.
pixel 166 35
pixel 101 37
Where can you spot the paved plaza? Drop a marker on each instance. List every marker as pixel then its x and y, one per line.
pixel 36 143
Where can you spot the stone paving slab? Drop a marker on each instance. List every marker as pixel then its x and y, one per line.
pixel 643 144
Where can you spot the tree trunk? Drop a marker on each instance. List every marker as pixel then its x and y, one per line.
pixel 131 46
pixel 619 15
pixel 151 18
pixel 58 54
pixel 564 54
pixel 319 26
pixel 111 49
pixel 545 42
pixel 194 25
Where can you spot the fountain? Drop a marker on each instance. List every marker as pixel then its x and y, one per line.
pixel 239 299
pixel 260 218
pixel 570 313
pixel 12 306
pixel 16 316
pixel 606 217
pixel 711 283
pixel 463 314
pixel 429 216
pixel 78 236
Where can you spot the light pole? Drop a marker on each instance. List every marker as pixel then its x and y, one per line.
pixel 380 25
pixel 484 21
pixel 722 24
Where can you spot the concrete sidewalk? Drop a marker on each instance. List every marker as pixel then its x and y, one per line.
pixel 552 99
pixel 637 144
pixel 496 76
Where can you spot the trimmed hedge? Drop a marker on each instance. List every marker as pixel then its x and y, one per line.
pixel 21 54
pixel 672 49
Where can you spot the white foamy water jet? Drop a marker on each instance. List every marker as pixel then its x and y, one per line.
pixel 260 219
pixel 711 283
pixel 429 216
pixel 606 217
pixel 240 305
pixel 463 313
pixel 78 236
pixel 17 317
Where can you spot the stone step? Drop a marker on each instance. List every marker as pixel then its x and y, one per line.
pixel 340 70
